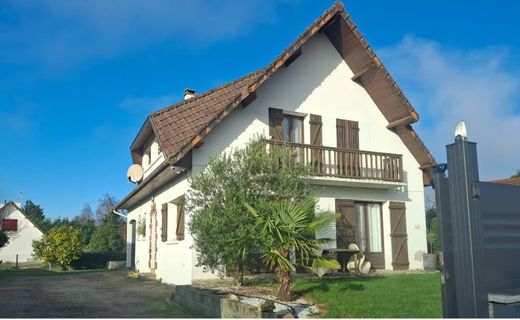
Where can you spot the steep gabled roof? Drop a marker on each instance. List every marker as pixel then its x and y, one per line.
pixel 12 203
pixel 182 126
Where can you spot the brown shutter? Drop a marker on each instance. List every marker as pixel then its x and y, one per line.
pixel 164 227
pixel 316 140
pixel 180 221
pixel 341 142
pixel 347 135
pixel 341 133
pixel 346 223
pixel 275 124
pixel 352 135
pixel 345 227
pixel 399 236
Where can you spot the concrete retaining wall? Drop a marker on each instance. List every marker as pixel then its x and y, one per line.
pixel 209 304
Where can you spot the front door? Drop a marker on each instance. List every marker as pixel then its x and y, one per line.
pixel 132 244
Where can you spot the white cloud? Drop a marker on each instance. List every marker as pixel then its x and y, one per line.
pixel 447 85
pixel 62 33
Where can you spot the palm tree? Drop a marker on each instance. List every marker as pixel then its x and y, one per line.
pixel 291 226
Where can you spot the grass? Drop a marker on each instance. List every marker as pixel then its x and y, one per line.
pixel 389 296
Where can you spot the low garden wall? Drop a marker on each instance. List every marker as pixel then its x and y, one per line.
pixel 209 304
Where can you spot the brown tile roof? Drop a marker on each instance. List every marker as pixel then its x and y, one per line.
pixel 515 181
pixel 182 126
pixel 177 125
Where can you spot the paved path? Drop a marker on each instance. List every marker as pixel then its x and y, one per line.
pixel 84 295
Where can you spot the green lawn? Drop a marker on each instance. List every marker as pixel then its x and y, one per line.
pixel 392 296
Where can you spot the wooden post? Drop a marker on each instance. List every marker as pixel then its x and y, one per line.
pixel 17 261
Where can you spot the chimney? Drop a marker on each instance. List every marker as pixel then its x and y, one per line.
pixel 189 93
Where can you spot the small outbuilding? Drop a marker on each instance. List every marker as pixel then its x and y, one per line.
pixel 21 231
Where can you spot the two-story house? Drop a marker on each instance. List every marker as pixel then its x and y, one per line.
pixel 329 97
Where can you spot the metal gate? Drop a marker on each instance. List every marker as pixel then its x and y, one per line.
pixel 480 234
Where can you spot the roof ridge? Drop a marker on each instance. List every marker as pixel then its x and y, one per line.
pixel 206 93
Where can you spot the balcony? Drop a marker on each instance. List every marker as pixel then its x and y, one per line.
pixel 347 163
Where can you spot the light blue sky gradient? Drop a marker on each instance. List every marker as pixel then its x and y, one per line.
pixel 77 78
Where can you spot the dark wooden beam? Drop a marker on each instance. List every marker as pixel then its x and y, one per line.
pixel 364 70
pixel 247 98
pixel 293 57
pixel 404 121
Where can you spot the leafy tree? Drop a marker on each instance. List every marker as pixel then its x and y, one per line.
pixel 85 215
pixel 86 228
pixel 106 204
pixel 292 226
pixel 61 245
pixel 517 174
pixel 35 214
pixel 108 237
pixel 223 231
pixel 4 239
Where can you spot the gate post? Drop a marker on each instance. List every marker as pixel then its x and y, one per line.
pixel 442 200
pixel 470 279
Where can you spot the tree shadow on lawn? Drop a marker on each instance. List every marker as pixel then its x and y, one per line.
pixel 322 285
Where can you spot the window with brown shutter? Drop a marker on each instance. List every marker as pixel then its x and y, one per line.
pixel 164 228
pixel 180 219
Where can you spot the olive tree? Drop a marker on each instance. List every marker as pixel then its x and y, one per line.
pixel 223 229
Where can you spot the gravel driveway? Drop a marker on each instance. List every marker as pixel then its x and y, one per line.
pixel 85 295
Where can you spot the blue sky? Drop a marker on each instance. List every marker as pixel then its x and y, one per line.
pixel 77 78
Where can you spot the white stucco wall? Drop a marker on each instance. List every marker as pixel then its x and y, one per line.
pixel 176 259
pixel 20 242
pixel 318 82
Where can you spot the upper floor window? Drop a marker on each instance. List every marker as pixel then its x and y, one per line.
pixel 286 125
pixel 292 128
pixel 147 159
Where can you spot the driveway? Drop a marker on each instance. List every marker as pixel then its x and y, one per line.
pixel 106 294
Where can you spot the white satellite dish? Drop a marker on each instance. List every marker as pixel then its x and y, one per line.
pixel 135 173
pixel 460 131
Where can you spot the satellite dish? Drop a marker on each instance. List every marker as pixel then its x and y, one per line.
pixel 135 173
pixel 460 131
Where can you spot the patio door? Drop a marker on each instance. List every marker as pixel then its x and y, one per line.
pixel 369 233
pixel 361 223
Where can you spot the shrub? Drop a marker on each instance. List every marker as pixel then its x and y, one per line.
pixel 222 228
pixel 61 245
pixel 96 260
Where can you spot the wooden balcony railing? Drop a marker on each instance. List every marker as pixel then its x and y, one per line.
pixel 346 163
